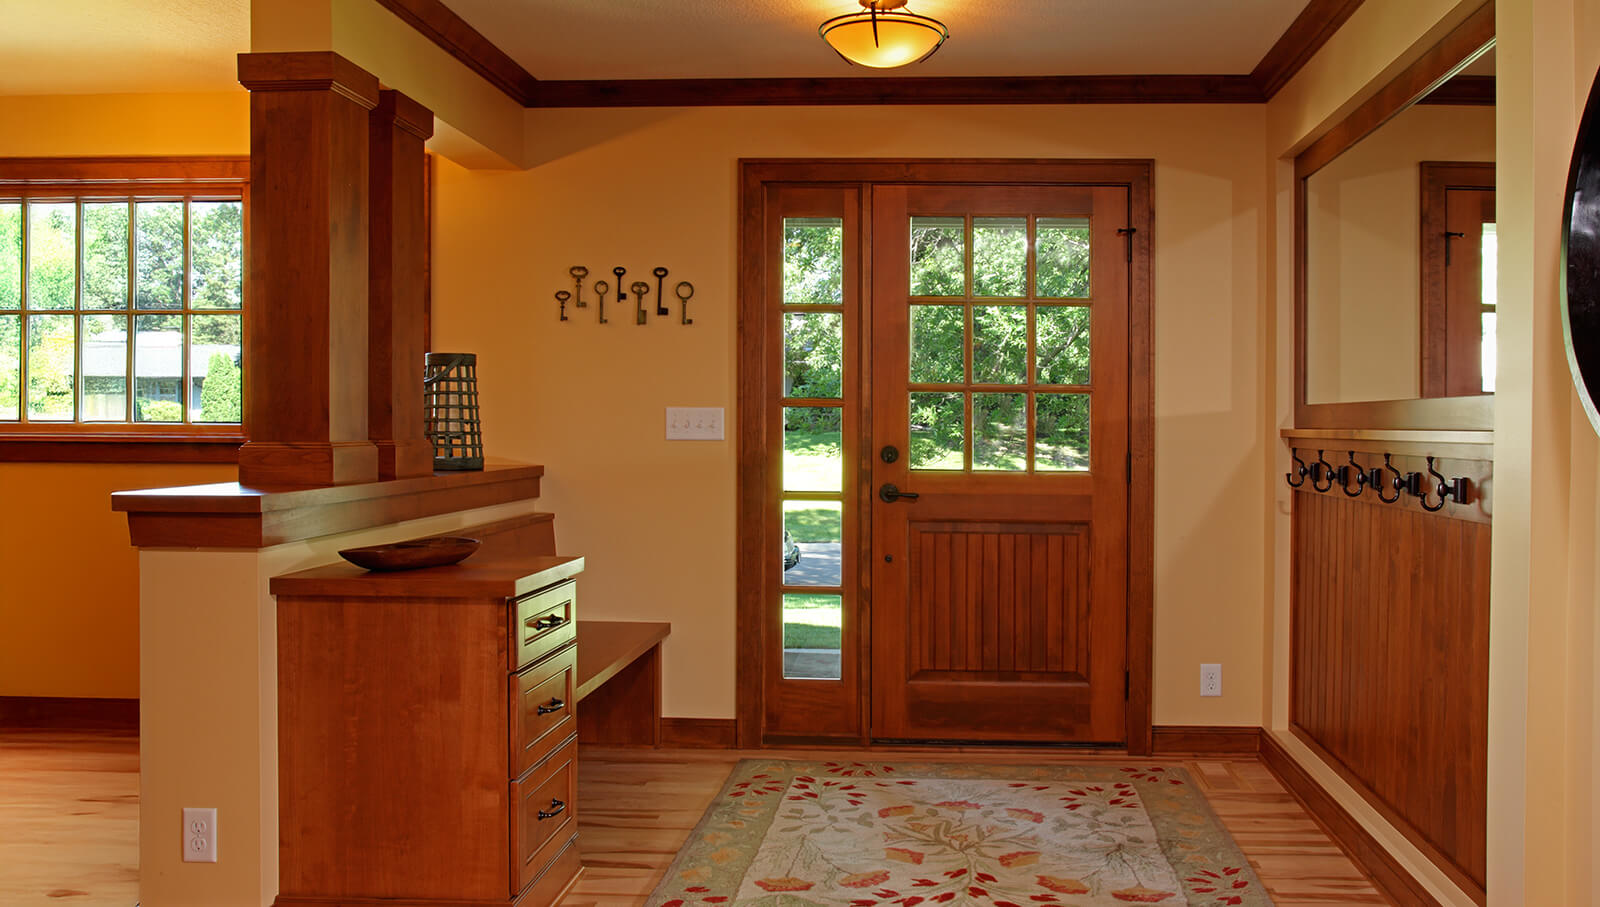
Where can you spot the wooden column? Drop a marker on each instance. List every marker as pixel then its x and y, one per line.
pixel 306 400
pixel 399 127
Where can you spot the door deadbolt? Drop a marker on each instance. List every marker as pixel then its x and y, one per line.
pixel 889 454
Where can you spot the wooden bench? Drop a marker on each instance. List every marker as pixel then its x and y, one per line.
pixel 619 681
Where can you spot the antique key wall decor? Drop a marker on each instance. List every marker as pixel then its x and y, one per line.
pixel 641 291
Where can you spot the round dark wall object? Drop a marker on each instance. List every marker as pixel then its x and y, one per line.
pixel 1580 241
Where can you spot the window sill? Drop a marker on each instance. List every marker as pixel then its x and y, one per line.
pixel 117 447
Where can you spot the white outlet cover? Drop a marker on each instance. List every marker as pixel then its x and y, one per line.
pixel 1211 680
pixel 199 835
pixel 694 423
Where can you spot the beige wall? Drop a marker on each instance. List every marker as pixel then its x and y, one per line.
pixel 69 598
pixel 1364 253
pixel 642 188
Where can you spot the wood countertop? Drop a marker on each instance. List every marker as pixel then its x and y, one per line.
pixel 502 567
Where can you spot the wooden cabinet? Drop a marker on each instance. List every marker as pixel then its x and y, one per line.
pixel 428 732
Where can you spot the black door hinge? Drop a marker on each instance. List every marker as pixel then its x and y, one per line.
pixel 1127 233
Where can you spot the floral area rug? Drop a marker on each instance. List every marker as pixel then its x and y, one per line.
pixel 791 834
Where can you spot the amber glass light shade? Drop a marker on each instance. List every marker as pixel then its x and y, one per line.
pixel 882 36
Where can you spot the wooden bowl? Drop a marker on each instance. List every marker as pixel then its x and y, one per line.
pixel 412 554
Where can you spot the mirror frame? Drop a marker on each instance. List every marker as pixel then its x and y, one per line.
pixel 1464 44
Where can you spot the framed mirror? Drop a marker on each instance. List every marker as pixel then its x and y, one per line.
pixel 1395 250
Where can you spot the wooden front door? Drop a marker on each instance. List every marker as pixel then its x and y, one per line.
pixel 999 463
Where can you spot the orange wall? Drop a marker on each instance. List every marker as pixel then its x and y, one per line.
pixel 69 580
pixel 656 521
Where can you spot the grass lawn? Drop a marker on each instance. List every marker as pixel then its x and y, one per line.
pixel 813 460
pixel 811 622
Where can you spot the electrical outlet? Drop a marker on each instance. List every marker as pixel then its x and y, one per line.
pixel 199 835
pixel 694 423
pixel 1211 680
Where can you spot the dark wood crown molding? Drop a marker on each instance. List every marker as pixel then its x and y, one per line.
pixel 439 24
pixel 1304 37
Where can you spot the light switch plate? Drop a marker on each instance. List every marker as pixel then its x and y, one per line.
pixel 694 423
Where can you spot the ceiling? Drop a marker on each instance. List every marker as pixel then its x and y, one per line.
pixel 117 46
pixel 678 39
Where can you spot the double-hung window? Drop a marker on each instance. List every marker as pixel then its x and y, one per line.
pixel 122 295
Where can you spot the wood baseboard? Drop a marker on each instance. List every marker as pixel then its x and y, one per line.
pixel 62 713
pixel 705 733
pixel 1363 849
pixel 1196 740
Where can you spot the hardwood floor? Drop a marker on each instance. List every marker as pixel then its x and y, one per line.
pixel 69 818
pixel 638 807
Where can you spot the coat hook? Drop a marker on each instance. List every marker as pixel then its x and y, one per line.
pixel 1320 470
pixel 1344 478
pixel 1299 470
pixel 1375 478
pixel 1455 489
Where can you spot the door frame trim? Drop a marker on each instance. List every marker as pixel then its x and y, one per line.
pixel 755 174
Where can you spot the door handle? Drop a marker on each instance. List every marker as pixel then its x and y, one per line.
pixel 888 493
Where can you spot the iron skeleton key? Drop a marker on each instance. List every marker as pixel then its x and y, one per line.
pixel 621 296
pixel 661 298
pixel 640 290
pixel 579 272
pixel 684 298
pixel 562 296
pixel 601 288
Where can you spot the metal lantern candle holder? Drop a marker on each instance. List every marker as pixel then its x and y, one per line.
pixel 450 404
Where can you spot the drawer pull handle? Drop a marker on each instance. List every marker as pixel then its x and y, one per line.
pixel 556 809
pixel 548 623
pixel 554 705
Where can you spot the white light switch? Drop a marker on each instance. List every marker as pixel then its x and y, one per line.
pixel 694 423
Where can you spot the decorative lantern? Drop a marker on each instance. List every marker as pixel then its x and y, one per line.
pixel 450 406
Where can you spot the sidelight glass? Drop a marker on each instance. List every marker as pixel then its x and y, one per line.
pixel 1061 344
pixel 813 448
pixel 52 255
pixel 10 255
pixel 1062 260
pixel 938 344
pixel 105 255
pixel 1000 344
pixel 159 255
pixel 10 367
pixel 105 368
pixel 813 629
pixel 938 431
pixel 1000 432
pixel 1000 256
pixel 52 369
pixel 813 261
pixel 938 256
pixel 1061 433
pixel 813 354
pixel 1489 295
pixel 813 551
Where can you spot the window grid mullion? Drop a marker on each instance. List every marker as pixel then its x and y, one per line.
pixel 22 352
pixel 184 389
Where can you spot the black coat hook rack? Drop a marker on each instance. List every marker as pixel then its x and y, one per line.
pixel 1431 489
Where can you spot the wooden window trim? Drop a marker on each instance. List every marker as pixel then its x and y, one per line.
pixel 197 178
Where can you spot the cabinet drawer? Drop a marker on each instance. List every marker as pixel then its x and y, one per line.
pixel 543 622
pixel 543 813
pixel 543 710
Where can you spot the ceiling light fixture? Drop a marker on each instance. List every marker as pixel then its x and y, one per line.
pixel 883 35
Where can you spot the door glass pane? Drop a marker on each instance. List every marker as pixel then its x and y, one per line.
pixel 812 630
pixel 1000 256
pixel 938 256
pixel 105 367
pixel 813 261
pixel 1489 295
pixel 1063 257
pixel 938 341
pixel 1062 345
pixel 216 255
pixel 1000 432
pixel 105 255
pixel 938 432
pixel 215 383
pixel 1061 433
pixel 813 448
pixel 10 367
pixel 160 255
pixel 10 255
pixel 52 257
pixel 813 543
pixel 813 354
pixel 52 369
pixel 999 344
pixel 158 368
